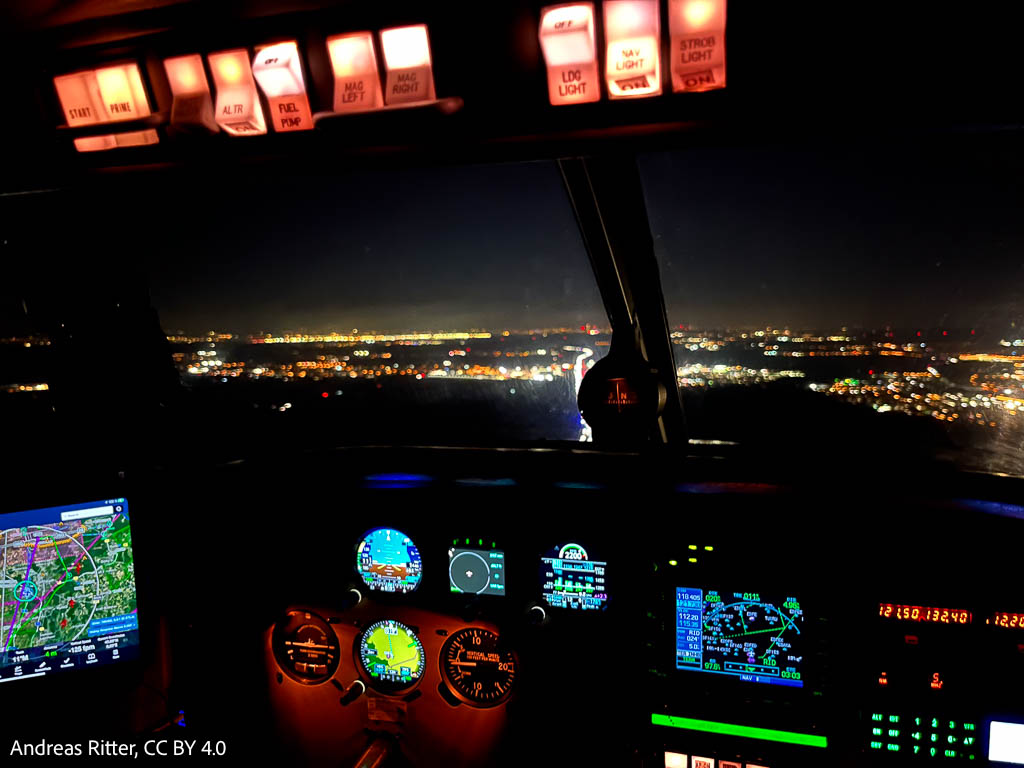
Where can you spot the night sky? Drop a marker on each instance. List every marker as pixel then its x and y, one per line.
pixel 919 236
pixel 895 235
pixel 442 248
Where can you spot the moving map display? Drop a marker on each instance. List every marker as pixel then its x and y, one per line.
pixel 752 636
pixel 67 589
pixel 392 656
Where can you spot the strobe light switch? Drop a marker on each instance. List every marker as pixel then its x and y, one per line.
pixel 238 110
pixel 567 41
pixel 356 82
pixel 697 28
pixel 278 70
pixel 407 60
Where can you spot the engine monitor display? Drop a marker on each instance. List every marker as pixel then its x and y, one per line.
pixel 924 614
pixel 388 561
pixel 754 637
pixel 1007 620
pixel 571 579
pixel 392 656
pixel 67 589
pixel 476 571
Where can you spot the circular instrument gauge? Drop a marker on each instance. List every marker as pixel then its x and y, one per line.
pixel 306 647
pixel 476 667
pixel 388 561
pixel 391 655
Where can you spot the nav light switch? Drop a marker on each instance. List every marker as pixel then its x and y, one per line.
pixel 356 82
pixel 632 30
pixel 407 60
pixel 278 70
pixel 567 40
pixel 238 110
pixel 193 106
pixel 697 28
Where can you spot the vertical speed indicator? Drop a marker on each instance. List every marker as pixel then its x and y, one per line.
pixel 477 668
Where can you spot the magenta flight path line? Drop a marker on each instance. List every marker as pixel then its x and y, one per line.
pixel 10 630
pixel 61 579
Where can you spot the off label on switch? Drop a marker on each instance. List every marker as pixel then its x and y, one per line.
pixel 567 41
pixel 278 70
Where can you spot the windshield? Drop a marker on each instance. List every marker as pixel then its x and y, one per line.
pixel 859 299
pixel 443 306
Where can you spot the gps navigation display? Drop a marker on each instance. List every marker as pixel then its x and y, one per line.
pixel 753 636
pixel 67 589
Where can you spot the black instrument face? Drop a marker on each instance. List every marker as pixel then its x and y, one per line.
pixel 306 648
pixel 476 667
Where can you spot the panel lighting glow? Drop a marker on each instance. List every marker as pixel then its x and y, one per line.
pixel 570 52
pixel 80 98
pixel 238 110
pixel 1006 742
pixel 356 82
pixel 106 95
pixel 744 731
pixel 675 760
pixel 192 104
pixel 278 70
pixel 632 29
pixel 697 28
pixel 407 61
pixel 121 89
pixel 113 141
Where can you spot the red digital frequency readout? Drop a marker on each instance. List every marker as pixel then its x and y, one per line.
pixel 1009 620
pixel 924 613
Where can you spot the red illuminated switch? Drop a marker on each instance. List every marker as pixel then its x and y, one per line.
pixel 728 764
pixel 356 82
pixel 238 110
pixel 567 41
pixel 192 106
pixel 278 70
pixel 676 760
pixel 697 28
pixel 407 61
pixel 632 30
pixel 106 95
pixel 702 762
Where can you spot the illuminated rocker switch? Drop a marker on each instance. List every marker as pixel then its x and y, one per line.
pixel 192 107
pixel 407 61
pixel 356 81
pixel 237 110
pixel 124 97
pixel 697 28
pixel 676 760
pixel 632 30
pixel 570 53
pixel 278 70
pixel 80 98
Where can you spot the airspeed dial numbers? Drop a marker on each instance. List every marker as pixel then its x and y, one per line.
pixel 477 668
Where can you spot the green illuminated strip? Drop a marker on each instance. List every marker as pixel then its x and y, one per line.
pixel 746 731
